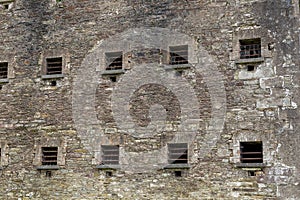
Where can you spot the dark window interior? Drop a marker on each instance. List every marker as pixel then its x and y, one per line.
pixel 114 60
pixel 177 173
pixel 110 154
pixel 250 68
pixel 250 48
pixel 179 55
pixel 49 155
pixel 3 70
pixel 178 153
pixel 54 66
pixel 251 152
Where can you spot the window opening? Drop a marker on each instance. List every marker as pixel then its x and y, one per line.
pixel 250 68
pixel 250 48
pixel 3 70
pixel 54 66
pixel 53 83
pixel 110 154
pixel 113 79
pixel 114 60
pixel 178 153
pixel 179 55
pixel 178 173
pixel 48 174
pixel 251 173
pixel 108 174
pixel 251 152
pixel 49 155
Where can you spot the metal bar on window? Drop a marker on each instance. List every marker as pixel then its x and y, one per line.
pixel 49 155
pixel 110 154
pixel 3 70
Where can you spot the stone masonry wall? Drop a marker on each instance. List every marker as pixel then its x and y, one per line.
pixel 261 104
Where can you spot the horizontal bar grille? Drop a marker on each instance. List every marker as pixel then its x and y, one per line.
pixel 177 153
pixel 250 48
pixel 110 154
pixel 179 55
pixel 114 60
pixel 49 156
pixel 54 66
pixel 3 70
pixel 251 152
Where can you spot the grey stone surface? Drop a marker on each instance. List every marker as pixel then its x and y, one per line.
pixel 260 105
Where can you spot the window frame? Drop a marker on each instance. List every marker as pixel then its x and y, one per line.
pixel 44 65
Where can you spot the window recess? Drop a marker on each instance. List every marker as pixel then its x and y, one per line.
pixel 251 152
pixel 110 154
pixel 250 48
pixel 178 55
pixel 178 153
pixel 54 66
pixel 114 60
pixel 3 70
pixel 49 155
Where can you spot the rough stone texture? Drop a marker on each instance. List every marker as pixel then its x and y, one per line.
pixel 261 105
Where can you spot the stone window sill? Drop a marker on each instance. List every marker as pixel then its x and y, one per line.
pixel 249 60
pixel 107 167
pixel 177 166
pixel 54 76
pixel 48 167
pixel 4 80
pixel 251 165
pixel 178 67
pixel 113 72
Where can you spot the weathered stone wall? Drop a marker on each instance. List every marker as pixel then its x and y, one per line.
pixel 261 105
